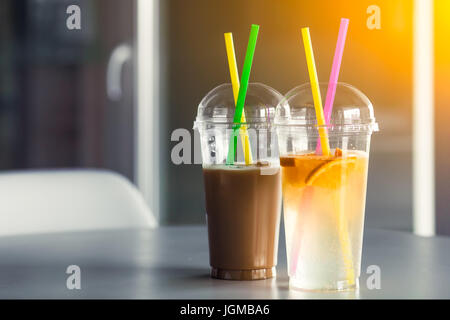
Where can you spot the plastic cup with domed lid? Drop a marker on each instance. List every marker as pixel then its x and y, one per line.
pixel 243 194
pixel 324 186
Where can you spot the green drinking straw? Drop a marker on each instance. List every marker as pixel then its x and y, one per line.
pixel 245 77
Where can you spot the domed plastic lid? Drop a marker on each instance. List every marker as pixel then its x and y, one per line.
pixel 352 110
pixel 218 106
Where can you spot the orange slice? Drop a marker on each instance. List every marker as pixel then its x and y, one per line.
pixel 331 174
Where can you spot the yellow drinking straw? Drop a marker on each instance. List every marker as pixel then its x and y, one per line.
pixel 235 83
pixel 316 92
pixel 323 133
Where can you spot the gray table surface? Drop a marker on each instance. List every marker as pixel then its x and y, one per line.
pixel 172 262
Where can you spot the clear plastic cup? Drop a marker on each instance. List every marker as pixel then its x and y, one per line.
pixel 243 200
pixel 324 196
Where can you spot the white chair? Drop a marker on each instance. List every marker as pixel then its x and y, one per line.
pixel 69 200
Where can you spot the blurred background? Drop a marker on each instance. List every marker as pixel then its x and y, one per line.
pixel 60 106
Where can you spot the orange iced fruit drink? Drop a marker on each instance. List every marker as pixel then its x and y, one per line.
pixel 324 200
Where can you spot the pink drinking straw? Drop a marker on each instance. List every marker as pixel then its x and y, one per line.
pixel 334 75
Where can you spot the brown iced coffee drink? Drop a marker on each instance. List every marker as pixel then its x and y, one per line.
pixel 243 206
